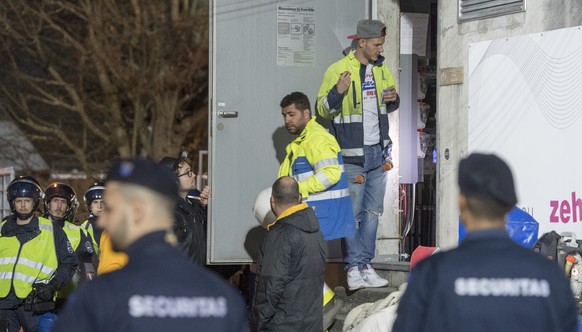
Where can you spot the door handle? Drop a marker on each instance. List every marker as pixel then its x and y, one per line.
pixel 228 114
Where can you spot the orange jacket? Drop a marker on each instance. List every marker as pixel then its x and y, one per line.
pixel 109 260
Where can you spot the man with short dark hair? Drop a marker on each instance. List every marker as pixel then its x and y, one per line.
pixel 190 217
pixel 314 160
pixel 488 283
pixel 158 289
pixel 291 266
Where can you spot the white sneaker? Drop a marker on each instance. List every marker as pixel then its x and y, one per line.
pixel 355 280
pixel 371 278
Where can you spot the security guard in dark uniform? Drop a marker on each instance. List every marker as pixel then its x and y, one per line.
pixel 488 283
pixel 159 289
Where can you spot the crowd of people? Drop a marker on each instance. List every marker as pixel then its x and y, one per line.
pixel 145 236
pixel 46 253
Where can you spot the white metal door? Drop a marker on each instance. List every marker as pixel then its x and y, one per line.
pixel 249 77
pixel 6 176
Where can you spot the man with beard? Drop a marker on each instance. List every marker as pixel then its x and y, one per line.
pixel 314 160
pixel 61 205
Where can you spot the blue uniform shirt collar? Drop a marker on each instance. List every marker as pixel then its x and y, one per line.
pixel 486 234
pixel 145 242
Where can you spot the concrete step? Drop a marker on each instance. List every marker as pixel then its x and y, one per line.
pixel 395 272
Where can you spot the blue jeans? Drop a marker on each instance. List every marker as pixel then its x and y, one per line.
pixel 368 205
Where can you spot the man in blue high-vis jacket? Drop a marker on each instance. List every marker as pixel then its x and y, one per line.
pixel 314 160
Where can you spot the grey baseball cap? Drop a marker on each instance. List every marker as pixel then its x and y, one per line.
pixel 369 29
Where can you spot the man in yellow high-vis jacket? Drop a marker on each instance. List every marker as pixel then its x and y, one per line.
pixel 357 93
pixel 60 206
pixel 314 160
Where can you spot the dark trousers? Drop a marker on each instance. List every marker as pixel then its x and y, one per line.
pixel 12 319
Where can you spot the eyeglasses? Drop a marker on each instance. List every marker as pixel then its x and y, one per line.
pixel 189 172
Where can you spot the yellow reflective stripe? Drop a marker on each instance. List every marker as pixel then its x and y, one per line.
pixel 323 179
pixel 6 275
pixel 353 152
pixel 7 260
pixel 36 265
pixel 23 277
pixel 354 118
pixel 326 105
pixel 73 233
pixel 325 162
pixel 303 176
pixel 45 227
pixel 330 194
pixel 71 226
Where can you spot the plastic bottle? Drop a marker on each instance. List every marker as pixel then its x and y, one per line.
pixel 387 154
pixel 576 277
pixel 570 260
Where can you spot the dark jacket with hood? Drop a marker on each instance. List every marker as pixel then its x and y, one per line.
pixel 290 274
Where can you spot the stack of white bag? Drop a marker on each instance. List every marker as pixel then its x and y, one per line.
pixel 374 317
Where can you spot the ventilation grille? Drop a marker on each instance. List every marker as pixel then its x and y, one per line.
pixel 476 9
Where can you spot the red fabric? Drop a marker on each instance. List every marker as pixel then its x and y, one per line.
pixel 420 253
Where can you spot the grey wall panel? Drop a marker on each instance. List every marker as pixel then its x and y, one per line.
pixel 408 118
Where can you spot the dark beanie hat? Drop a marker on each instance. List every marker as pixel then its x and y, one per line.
pixel 486 176
pixel 173 163
pixel 145 173
pixel 169 162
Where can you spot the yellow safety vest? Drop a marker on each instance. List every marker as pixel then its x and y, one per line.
pixel 23 265
pixel 88 229
pixel 73 234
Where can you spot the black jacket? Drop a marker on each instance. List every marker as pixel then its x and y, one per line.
pixel 158 290
pixel 190 230
pixel 290 274
pixel 66 258
pixel 489 283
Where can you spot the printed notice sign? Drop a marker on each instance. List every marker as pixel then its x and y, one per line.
pixel 295 35
pixel 413 33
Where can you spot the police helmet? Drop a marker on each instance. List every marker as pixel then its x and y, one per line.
pixel 94 192
pixel 65 191
pixel 24 186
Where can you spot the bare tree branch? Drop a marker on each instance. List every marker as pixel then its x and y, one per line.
pixel 98 79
